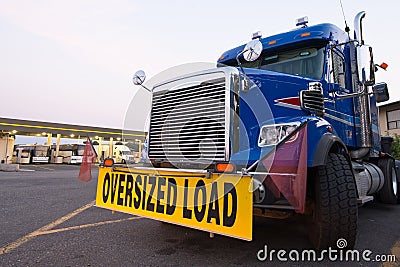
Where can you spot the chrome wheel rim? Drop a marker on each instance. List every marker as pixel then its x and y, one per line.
pixel 394 181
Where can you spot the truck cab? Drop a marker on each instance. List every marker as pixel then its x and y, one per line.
pixel 294 112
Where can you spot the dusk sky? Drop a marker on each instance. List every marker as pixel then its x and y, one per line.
pixel 73 61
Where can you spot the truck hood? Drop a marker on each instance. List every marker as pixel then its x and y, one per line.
pixel 272 98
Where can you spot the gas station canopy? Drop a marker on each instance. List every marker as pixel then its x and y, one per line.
pixel 39 128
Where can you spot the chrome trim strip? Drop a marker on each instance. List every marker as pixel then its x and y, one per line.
pixel 287 105
pixel 273 206
pixel 339 119
pixel 225 70
pixel 170 170
pixel 267 173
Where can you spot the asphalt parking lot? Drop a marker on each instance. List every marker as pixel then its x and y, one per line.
pixel 47 218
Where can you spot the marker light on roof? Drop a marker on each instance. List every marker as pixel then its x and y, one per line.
pixel 257 35
pixel 302 21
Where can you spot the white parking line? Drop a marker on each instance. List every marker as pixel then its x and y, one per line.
pixel 41 167
pixel 48 227
pixel 87 225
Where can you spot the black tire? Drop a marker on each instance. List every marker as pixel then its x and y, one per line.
pixel 123 161
pixel 389 194
pixel 335 211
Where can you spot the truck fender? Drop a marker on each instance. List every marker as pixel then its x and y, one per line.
pixel 328 143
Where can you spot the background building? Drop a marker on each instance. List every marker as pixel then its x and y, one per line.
pixel 389 118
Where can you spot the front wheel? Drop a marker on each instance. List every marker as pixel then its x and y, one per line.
pixel 335 211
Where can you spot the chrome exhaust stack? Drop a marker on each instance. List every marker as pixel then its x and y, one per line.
pixel 362 81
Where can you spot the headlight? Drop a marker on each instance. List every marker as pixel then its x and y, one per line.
pixel 273 134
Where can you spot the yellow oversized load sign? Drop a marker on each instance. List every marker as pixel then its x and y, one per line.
pixel 221 204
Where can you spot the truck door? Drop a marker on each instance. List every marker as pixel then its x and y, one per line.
pixel 339 112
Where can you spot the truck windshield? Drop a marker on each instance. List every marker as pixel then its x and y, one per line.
pixel 126 153
pixel 306 62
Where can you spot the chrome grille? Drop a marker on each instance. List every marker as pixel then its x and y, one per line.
pixel 189 124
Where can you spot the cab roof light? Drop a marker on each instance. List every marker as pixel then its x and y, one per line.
pixel 272 42
pixel 256 35
pixel 305 34
pixel 302 22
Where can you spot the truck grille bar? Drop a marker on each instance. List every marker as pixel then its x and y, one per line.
pixel 313 100
pixel 190 123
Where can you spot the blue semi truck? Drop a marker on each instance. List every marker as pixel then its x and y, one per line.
pixel 284 125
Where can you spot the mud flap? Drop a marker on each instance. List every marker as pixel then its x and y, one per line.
pixel 288 170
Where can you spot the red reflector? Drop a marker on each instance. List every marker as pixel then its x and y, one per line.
pixel 108 163
pixel 384 65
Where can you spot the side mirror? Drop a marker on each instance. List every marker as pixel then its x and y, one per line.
pixel 252 50
pixel 139 77
pixel 366 66
pixel 381 92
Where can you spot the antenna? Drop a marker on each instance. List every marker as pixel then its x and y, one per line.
pixel 347 29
